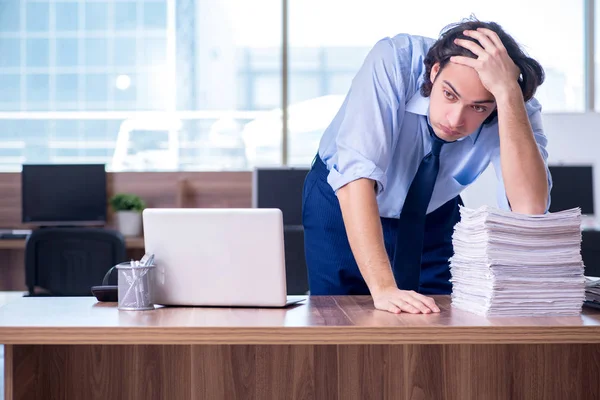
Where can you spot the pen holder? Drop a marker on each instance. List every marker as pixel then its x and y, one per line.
pixel 135 285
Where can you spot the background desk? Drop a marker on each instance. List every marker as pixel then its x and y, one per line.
pixel 19 244
pixel 328 348
pixel 12 260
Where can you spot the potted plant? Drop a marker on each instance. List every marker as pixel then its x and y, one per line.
pixel 128 210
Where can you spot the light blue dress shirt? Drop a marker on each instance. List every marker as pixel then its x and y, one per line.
pixel 380 132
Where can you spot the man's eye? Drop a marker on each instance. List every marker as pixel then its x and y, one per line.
pixel 448 95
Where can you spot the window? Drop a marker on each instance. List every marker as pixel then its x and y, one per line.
pixel 37 17
pixel 152 89
pixel 305 86
pixel 38 90
pixel 221 62
pixel 125 15
pixel 67 89
pixel 67 130
pixel 98 128
pixel 10 95
pixel 266 93
pixel 96 16
pixel 10 49
pixel 38 53
pixel 67 52
pixel 10 15
pixel 36 130
pixel 96 52
pixel 152 52
pixel 125 51
pixel 125 96
pixel 155 15
pixel 66 16
pixel 96 90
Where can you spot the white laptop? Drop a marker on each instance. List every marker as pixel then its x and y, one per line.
pixel 217 257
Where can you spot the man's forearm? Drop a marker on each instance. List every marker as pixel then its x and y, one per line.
pixel 523 169
pixel 363 227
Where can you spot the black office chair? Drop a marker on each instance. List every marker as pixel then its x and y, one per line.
pixel 69 261
pixel 281 187
pixel 295 262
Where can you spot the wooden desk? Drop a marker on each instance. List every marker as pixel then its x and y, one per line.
pixel 328 348
pixel 19 244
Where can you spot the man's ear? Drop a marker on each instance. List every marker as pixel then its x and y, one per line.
pixel 435 69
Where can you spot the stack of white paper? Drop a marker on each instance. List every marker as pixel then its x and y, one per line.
pixel 510 264
pixel 592 289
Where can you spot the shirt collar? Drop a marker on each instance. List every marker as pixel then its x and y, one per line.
pixel 419 105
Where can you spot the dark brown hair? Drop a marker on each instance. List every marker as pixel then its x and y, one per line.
pixel 532 73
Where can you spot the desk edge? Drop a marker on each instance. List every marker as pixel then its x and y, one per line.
pixel 300 335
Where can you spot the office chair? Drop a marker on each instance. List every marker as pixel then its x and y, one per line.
pixel 295 262
pixel 281 187
pixel 69 261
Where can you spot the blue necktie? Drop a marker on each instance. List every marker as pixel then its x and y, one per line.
pixel 411 226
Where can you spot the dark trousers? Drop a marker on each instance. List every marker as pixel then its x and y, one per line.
pixel 332 269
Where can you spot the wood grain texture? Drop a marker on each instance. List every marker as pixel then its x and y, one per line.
pixel 101 372
pixel 12 244
pixel 10 201
pixel 262 372
pixel 19 244
pixel 320 320
pixel 465 372
pixel 223 372
pixel 284 372
pixel 371 372
pixel 8 372
pixel 12 270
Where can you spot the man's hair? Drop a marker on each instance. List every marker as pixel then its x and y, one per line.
pixel 532 73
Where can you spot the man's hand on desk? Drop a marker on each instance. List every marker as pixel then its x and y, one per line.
pixel 396 301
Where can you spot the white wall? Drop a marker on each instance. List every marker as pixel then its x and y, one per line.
pixel 573 139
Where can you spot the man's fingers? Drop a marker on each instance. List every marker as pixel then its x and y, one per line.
pixel 466 61
pixel 397 301
pixel 428 301
pixel 472 46
pixel 493 37
pixel 416 304
pixel 419 305
pixel 483 40
pixel 405 306
pixel 394 309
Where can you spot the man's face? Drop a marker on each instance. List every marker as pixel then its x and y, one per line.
pixel 458 103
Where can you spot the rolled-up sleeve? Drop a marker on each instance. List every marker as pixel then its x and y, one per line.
pixel 368 130
pixel 535 119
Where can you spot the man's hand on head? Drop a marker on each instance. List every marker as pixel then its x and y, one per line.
pixel 497 71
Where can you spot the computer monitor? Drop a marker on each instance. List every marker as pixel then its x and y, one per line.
pixel 572 186
pixel 73 194
pixel 280 187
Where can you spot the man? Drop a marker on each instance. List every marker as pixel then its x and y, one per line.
pixel 421 121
